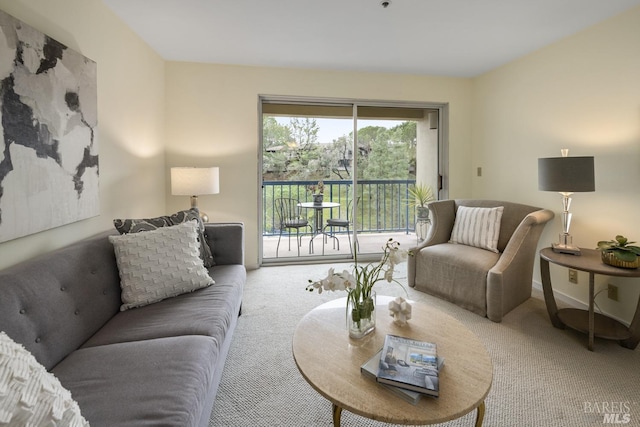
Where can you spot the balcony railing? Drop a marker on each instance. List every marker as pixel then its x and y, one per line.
pixel 382 205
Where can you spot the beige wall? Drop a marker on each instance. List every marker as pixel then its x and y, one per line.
pixel 130 116
pixel 582 93
pixel 212 119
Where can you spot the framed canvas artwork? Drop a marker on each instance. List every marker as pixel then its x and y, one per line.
pixel 48 129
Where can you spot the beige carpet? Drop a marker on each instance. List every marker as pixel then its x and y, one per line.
pixel 542 376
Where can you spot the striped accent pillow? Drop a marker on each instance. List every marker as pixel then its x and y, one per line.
pixel 478 227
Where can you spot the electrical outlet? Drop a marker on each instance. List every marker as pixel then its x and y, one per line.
pixel 573 276
pixel 612 292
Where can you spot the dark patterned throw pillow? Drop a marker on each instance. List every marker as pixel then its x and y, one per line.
pixel 125 226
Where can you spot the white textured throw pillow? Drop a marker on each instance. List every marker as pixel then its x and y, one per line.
pixel 158 264
pixel 478 227
pixel 31 396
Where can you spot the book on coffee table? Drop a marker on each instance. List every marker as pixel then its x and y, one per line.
pixel 409 364
pixel 370 369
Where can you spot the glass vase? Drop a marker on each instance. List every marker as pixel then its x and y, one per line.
pixel 361 316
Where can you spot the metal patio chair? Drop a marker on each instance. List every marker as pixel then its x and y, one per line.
pixel 341 223
pixel 289 218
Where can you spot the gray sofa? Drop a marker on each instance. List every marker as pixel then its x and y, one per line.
pixel 157 365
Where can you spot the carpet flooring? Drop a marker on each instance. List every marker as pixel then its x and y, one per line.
pixel 543 376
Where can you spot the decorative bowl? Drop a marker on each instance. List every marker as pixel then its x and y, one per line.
pixel 610 258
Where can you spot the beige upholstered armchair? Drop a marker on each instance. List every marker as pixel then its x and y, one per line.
pixel 480 280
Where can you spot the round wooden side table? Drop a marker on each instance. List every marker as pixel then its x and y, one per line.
pixel 586 321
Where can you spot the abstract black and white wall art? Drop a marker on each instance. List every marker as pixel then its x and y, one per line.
pixel 48 129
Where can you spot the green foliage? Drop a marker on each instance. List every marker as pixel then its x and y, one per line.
pixel 379 156
pixel 292 152
pixel 421 194
pixel 339 156
pixel 304 132
pixel 621 248
pixel 273 134
pixel 276 148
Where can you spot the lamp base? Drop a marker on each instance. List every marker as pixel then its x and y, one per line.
pixel 565 249
pixel 194 204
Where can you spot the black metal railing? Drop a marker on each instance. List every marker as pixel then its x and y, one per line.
pixel 382 204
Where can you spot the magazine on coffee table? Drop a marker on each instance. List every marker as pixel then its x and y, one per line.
pixel 409 364
pixel 370 370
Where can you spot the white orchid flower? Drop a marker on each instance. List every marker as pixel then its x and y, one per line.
pixel 368 275
pixel 397 256
pixel 347 280
pixel 337 284
pixel 328 282
pixel 315 285
pixel 388 275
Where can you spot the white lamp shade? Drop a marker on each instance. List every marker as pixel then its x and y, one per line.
pixel 186 181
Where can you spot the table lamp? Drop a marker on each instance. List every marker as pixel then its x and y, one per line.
pixel 190 181
pixel 566 175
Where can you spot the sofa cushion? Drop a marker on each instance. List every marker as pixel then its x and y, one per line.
pixel 55 302
pixel 478 227
pixel 29 395
pixel 160 382
pixel 125 226
pixel 209 311
pixel 159 264
pixel 441 269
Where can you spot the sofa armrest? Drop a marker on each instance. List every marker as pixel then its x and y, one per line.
pixel 443 214
pixel 528 232
pixel 226 241
pixel 509 281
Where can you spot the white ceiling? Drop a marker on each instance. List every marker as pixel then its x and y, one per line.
pixel 461 38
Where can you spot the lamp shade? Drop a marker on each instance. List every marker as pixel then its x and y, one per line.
pixel 566 174
pixel 187 181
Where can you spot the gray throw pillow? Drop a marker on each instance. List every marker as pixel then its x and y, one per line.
pixel 159 264
pixel 125 226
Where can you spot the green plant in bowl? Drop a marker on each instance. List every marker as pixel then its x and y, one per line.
pixel 621 248
pixel 420 195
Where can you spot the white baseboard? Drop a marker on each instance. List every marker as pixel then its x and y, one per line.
pixel 572 302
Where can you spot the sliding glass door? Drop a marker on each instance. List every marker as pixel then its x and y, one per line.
pixel 359 158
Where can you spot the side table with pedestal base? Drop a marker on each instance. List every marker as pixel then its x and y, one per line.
pixel 422 228
pixel 587 321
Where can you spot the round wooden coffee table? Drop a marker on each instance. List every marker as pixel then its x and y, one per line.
pixel 330 362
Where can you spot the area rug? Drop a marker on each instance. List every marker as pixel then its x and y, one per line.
pixel 543 376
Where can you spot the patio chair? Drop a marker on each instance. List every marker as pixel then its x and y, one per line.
pixel 289 218
pixel 340 223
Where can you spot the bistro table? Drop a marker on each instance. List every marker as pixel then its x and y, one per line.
pixel 318 219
